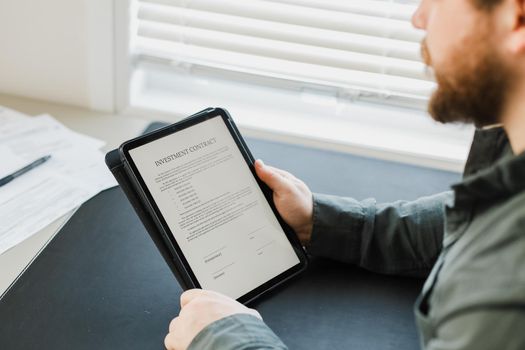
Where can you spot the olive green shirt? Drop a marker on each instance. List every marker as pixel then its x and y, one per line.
pixel 469 243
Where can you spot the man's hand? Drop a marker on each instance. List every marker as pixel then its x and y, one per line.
pixel 292 198
pixel 200 308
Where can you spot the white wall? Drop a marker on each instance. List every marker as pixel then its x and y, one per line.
pixel 58 50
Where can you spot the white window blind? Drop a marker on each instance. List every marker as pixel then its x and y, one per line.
pixel 366 48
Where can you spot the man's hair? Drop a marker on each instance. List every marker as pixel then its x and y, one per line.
pixel 487 4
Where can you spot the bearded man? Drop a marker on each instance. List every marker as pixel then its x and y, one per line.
pixel 469 243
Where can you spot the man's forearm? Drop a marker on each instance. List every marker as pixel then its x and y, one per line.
pixel 237 332
pixel 403 238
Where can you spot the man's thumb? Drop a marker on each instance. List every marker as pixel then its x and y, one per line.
pixel 270 177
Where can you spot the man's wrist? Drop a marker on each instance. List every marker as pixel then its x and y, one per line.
pixel 238 331
pixel 338 224
pixel 305 233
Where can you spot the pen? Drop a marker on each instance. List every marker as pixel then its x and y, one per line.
pixel 24 170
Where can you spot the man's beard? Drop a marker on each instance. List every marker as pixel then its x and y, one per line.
pixel 473 87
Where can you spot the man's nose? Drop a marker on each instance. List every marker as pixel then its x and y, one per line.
pixel 419 17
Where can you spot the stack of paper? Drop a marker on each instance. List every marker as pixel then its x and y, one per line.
pixel 75 173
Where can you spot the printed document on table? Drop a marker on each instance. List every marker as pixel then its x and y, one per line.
pixel 75 173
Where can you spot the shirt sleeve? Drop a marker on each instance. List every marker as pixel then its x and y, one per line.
pixel 482 329
pixel 237 332
pixel 402 238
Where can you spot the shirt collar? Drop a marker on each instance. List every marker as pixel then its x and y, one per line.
pixel 500 181
pixel 492 126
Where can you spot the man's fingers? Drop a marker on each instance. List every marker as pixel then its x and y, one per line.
pixel 281 172
pixel 260 163
pixel 169 341
pixel 189 295
pixel 273 177
pixel 286 175
pixel 173 324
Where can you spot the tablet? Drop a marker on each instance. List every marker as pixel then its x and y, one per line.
pixel 197 179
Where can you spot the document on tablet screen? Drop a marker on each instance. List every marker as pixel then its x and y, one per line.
pixel 215 208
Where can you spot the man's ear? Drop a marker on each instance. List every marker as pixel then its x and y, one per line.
pixel 516 42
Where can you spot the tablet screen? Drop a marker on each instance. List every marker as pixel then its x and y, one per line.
pixel 214 207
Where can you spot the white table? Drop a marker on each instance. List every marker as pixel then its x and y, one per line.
pixel 108 127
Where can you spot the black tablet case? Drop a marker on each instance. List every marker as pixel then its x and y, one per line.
pixel 101 283
pixel 116 166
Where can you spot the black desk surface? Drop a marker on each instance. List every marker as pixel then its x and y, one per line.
pixel 101 284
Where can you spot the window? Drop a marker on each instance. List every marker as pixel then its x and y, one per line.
pixel 342 72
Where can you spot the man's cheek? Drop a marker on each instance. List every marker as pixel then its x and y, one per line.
pixel 425 54
pixel 440 38
pixel 439 59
